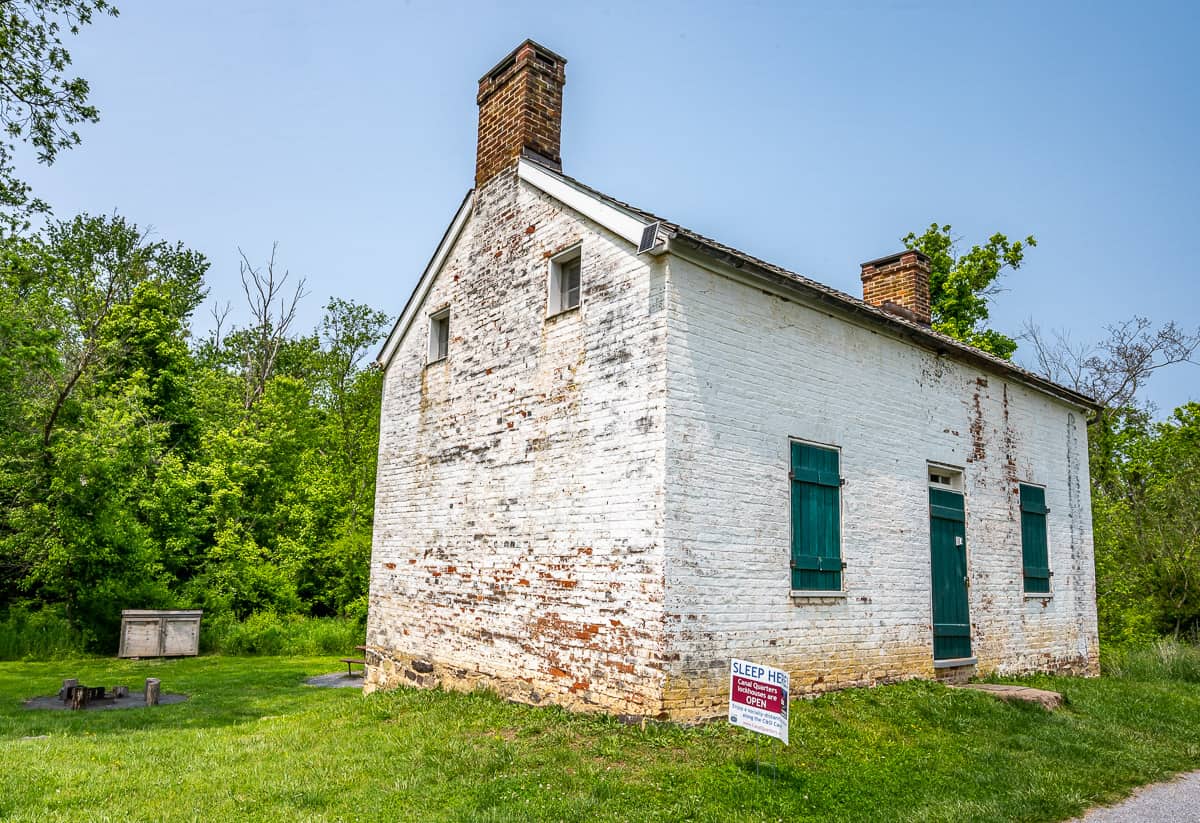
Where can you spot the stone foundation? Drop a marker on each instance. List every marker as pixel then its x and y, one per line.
pixel 388 670
pixel 693 699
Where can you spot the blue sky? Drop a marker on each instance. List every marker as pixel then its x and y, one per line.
pixel 811 134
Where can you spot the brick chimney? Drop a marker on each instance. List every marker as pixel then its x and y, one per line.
pixel 520 110
pixel 899 283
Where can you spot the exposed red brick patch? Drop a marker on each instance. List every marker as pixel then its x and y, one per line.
pixel 900 284
pixel 588 631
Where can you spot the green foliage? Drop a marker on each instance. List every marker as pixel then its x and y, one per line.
pixel 99 403
pixel 42 634
pixel 1147 524
pixel 960 285
pixel 253 743
pixel 268 633
pixel 40 103
pixel 134 474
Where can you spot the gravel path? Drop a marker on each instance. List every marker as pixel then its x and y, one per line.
pixel 1174 802
pixel 337 680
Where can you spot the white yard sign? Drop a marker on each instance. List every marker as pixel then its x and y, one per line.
pixel 758 698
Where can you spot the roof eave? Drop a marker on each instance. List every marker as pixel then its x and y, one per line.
pixel 927 339
pixel 407 314
pixel 622 217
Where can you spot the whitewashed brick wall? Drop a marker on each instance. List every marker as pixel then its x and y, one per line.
pixel 593 510
pixel 519 506
pixel 748 370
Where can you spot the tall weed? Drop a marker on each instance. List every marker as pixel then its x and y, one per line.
pixel 43 634
pixel 1164 659
pixel 267 633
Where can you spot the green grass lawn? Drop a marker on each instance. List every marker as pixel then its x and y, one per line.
pixel 255 744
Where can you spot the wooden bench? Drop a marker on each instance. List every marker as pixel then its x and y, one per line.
pixel 351 662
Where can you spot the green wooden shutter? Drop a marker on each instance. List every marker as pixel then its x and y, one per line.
pixel 1034 551
pixel 816 519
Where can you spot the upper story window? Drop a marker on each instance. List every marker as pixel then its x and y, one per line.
pixel 439 335
pixel 565 281
pixel 945 478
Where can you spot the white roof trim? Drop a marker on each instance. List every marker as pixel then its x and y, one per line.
pixel 417 298
pixel 618 221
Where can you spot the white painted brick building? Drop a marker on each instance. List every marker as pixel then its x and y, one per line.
pixel 596 479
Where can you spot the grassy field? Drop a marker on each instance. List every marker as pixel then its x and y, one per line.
pixel 255 744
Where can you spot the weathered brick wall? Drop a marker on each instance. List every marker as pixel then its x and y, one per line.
pixel 519 510
pixel 526 538
pixel 746 371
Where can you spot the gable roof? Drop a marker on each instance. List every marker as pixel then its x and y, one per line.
pixel 409 313
pixel 916 333
pixel 628 221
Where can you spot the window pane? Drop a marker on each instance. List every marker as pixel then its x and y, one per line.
pixel 570 284
pixel 439 337
pixel 443 336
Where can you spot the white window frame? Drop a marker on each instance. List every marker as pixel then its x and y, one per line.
pixel 439 342
pixel 554 285
pixel 1050 569
pixel 951 477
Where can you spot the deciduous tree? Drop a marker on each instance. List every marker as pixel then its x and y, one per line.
pixel 40 102
pixel 962 283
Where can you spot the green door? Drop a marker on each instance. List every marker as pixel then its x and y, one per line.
pixel 948 545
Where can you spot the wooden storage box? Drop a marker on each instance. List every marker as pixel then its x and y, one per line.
pixel 158 633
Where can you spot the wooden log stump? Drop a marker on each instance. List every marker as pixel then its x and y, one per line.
pixel 79 697
pixel 152 690
pixel 65 692
pixel 120 691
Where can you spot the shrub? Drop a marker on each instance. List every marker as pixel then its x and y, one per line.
pixel 38 634
pixel 266 633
